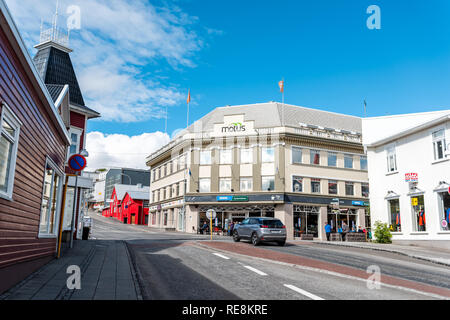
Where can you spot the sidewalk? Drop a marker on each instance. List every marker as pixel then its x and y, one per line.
pixel 106 274
pixel 440 256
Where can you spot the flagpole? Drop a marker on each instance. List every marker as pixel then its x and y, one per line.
pixel 188 102
pixel 165 130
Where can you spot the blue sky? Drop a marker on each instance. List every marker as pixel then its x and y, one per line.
pixel 235 52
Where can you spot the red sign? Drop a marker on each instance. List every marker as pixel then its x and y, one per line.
pixel 77 162
pixel 411 177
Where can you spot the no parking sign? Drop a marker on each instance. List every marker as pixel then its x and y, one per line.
pixel 77 162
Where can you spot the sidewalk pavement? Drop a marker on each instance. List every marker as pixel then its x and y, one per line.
pixel 107 273
pixel 435 255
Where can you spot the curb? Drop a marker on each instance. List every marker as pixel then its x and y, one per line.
pixel 137 278
pixel 432 260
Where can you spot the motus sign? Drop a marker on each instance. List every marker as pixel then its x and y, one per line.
pixel 234 127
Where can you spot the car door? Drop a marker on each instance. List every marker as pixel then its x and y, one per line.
pixel 243 228
pixel 253 225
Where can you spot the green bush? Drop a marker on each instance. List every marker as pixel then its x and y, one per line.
pixel 382 233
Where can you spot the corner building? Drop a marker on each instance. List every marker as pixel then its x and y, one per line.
pixel 300 165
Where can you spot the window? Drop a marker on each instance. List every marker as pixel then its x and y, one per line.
pixel 178 189
pixel 268 155
pixel 205 157
pixel 332 187
pixel 315 185
pixel 363 162
pixel 165 170
pixel 204 185
pixel 247 155
pixel 315 156
pixel 51 200
pixel 268 183
pixel 349 188
pixel 226 156
pixel 365 190
pixel 418 208
pixel 297 184
pixel 75 136
pixel 439 145
pixel 9 142
pixel 183 164
pixel 296 155
pixel 225 185
pixel 348 161
pixel 332 159
pixel 391 159
pixel 246 184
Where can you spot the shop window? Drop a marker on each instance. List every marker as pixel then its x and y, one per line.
pixel 332 187
pixel 165 216
pixel 349 189
pixel 391 159
pixel 204 185
pixel 268 183
pixel 246 184
pixel 268 154
pixel 363 163
pixel 315 185
pixel 445 208
pixel 205 157
pixel 225 185
pixel 439 145
pixel 418 208
pixel 365 189
pixel 315 157
pixel 9 142
pixel 332 159
pixel 226 156
pixel 394 214
pixel 51 200
pixel 296 155
pixel 247 155
pixel 297 184
pixel 348 161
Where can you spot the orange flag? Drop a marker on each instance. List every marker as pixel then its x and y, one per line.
pixel 189 96
pixel 281 85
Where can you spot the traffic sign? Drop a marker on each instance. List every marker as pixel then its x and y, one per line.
pixel 444 224
pixel 211 214
pixel 77 162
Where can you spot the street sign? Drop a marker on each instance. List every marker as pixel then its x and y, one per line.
pixel 414 201
pixel 211 214
pixel 444 224
pixel 77 162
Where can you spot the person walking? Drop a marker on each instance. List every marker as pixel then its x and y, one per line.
pixel 328 230
pixel 230 231
pixel 345 230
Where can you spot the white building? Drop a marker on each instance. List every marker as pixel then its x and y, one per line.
pixel 409 175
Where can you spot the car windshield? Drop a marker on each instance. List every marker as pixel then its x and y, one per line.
pixel 271 223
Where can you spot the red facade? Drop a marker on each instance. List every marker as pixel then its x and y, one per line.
pixel 127 210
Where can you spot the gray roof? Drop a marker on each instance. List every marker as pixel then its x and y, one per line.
pixel 54 90
pixel 139 195
pixel 274 114
pixel 122 189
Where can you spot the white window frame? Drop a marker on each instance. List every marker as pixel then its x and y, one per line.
pixel 248 182
pixel 57 171
pixel 391 151
pixel 265 155
pixel 205 152
pixel 200 184
pixel 320 185
pixel 435 141
pixel 347 156
pixel 337 187
pixel 353 188
pixel 221 184
pixel 331 153
pixel 302 183
pixel 262 182
pixel 8 116
pixel 250 153
pixel 311 160
pixel 301 154
pixel 360 162
pixel 228 159
pixel 78 132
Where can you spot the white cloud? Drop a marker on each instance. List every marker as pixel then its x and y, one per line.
pixel 118 150
pixel 116 48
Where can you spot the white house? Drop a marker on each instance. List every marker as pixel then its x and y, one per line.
pixel 409 175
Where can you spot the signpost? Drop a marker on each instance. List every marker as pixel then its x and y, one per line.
pixel 77 163
pixel 211 214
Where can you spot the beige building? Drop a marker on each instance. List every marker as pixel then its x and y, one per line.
pixel 300 165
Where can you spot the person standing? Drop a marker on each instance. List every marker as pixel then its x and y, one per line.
pixel 328 230
pixel 230 232
pixel 344 230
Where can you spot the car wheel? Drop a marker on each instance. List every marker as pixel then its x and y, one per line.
pixel 255 240
pixel 281 243
pixel 236 237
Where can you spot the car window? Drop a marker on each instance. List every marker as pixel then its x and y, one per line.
pixel 245 221
pixel 271 223
pixel 253 221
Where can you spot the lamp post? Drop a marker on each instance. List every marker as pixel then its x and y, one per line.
pixel 123 174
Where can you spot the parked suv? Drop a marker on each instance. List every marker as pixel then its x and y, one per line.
pixel 260 229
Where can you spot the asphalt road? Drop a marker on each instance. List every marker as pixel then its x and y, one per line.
pixel 178 266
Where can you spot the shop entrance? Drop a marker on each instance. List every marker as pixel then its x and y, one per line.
pixel 306 220
pixel 337 216
pixel 445 209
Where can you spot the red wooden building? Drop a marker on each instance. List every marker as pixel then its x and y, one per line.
pixel 33 145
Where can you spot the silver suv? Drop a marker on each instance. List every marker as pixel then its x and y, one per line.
pixel 260 229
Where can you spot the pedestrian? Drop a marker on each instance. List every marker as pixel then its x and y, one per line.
pixel 204 227
pixel 230 231
pixel 344 230
pixel 360 230
pixel 328 230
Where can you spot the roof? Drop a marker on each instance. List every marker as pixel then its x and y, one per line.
pixel 139 195
pixel 17 42
pixel 274 114
pixel 122 189
pixel 55 90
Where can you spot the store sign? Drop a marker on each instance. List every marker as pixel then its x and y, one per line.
pixel 234 127
pixel 224 198
pixel 240 198
pixel 232 198
pixel 358 203
pixel 411 177
pixel 414 201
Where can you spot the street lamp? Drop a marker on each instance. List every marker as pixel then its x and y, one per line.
pixel 123 174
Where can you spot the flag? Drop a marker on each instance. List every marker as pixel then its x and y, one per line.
pixel 189 96
pixel 281 85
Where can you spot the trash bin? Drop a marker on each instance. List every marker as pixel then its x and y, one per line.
pixel 86 231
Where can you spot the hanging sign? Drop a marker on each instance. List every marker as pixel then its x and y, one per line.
pixel 411 177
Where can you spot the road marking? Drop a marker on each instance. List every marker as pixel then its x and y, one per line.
pixel 256 270
pixel 222 256
pixel 303 292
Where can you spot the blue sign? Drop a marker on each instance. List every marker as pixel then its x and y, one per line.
pixel 358 203
pixel 224 198
pixel 77 162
